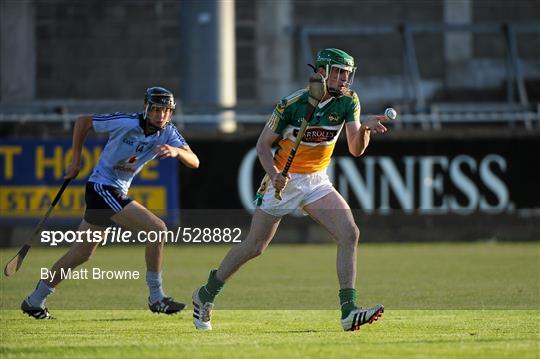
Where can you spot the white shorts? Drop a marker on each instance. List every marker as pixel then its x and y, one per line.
pixel 301 190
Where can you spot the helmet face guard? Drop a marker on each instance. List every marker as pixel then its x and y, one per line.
pixel 337 69
pixel 331 59
pixel 158 97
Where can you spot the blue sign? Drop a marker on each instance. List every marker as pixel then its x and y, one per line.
pixel 32 170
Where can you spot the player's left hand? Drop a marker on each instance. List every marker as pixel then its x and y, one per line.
pixel 166 151
pixel 374 124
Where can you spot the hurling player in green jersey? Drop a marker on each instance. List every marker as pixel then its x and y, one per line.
pixel 307 185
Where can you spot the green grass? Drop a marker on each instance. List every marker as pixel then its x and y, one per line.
pixel 262 333
pixel 477 300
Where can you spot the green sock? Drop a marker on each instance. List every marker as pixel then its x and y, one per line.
pixel 347 299
pixel 211 289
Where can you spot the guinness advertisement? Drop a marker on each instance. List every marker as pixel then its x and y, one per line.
pixel 413 176
pixel 422 188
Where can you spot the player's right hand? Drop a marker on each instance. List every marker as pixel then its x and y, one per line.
pixel 374 124
pixel 279 181
pixel 73 170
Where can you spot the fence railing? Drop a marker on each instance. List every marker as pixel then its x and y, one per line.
pixel 411 72
pixel 441 114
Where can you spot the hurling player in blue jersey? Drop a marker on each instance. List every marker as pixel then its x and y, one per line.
pixel 134 139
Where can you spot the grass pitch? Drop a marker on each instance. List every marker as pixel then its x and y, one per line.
pixel 276 333
pixel 442 300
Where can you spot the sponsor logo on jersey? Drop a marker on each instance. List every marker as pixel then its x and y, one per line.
pixel 128 141
pixel 123 168
pixel 317 135
pixel 333 117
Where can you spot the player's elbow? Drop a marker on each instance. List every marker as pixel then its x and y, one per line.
pixel 194 162
pixel 356 152
pixel 84 118
pixel 84 122
pixel 260 146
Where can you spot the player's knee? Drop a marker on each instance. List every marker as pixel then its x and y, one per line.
pixel 84 254
pixel 155 234
pixel 159 226
pixel 352 236
pixel 257 249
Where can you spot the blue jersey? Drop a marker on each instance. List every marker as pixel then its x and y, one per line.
pixel 128 148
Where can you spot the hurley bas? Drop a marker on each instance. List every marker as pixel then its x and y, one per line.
pixel 89 273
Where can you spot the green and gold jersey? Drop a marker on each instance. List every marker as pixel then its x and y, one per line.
pixel 318 142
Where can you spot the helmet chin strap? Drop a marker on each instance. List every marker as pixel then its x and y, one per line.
pixel 334 92
pixel 331 91
pixel 150 129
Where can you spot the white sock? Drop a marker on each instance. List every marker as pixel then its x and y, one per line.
pixel 39 295
pixel 153 279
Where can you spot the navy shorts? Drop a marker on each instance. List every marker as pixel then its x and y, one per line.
pixel 102 202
